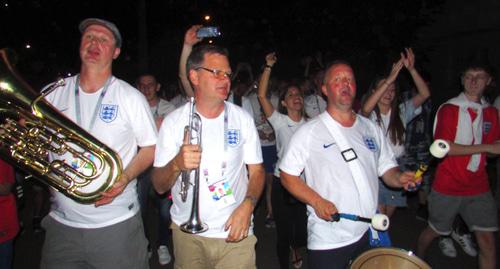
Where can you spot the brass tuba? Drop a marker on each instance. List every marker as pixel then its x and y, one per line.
pixel 32 129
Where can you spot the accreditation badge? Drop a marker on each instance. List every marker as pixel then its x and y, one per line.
pixel 221 193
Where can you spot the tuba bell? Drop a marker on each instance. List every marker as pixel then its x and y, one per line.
pixel 32 129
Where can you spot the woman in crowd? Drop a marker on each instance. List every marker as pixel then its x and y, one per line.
pixel 385 108
pixel 289 214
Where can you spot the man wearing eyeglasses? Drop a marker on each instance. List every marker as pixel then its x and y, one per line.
pixel 461 187
pixel 230 168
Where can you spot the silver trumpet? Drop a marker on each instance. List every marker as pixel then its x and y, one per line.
pixel 194 224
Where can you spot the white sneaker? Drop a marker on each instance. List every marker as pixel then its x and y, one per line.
pixel 447 247
pixel 164 257
pixel 465 241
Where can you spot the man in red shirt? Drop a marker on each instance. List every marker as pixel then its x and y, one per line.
pixel 9 225
pixel 471 127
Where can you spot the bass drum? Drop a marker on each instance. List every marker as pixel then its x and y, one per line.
pixel 388 258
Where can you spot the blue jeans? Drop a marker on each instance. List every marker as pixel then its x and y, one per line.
pixel 6 252
pixel 144 189
pixel 164 205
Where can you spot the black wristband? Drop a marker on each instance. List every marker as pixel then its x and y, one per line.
pixel 268 66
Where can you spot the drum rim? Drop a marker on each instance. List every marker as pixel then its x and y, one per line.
pixel 392 251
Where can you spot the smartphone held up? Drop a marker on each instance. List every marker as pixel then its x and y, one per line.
pixel 209 31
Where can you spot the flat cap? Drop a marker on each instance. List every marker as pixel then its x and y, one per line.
pixel 111 26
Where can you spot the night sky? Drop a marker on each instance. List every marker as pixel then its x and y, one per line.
pixel 369 34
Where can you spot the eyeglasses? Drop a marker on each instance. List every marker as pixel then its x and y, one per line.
pixel 216 72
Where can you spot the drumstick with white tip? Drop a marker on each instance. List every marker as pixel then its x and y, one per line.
pixel 438 149
pixel 379 222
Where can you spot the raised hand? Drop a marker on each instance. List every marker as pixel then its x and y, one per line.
pixel 190 37
pixel 271 58
pixel 409 59
pixel 396 67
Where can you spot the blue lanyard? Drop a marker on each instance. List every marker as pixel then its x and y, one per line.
pixel 98 105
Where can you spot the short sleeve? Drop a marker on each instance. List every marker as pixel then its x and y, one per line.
pixel 166 147
pixel 142 121
pixel 295 158
pixel 446 121
pixel 251 148
pixel 277 120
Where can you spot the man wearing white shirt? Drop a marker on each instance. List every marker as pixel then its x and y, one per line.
pixel 99 235
pixel 230 168
pixel 339 178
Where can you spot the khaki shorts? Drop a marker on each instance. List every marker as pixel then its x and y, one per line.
pixel 194 251
pixel 479 212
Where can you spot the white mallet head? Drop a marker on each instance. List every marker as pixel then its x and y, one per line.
pixel 439 148
pixel 380 222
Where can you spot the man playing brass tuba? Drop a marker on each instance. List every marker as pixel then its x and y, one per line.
pixel 227 192
pixel 109 233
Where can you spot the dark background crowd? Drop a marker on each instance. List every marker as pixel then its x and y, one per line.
pixel 369 34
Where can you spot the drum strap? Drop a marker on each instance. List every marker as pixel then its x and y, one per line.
pixel 351 159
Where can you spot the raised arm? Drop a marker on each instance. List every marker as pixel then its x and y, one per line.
pixel 190 39
pixel 372 100
pixel 267 106
pixel 423 91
